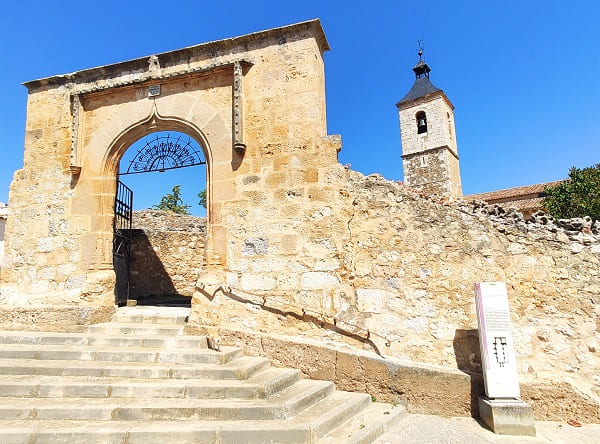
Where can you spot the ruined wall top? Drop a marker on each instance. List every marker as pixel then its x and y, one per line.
pixel 159 220
pixel 578 232
pixel 216 52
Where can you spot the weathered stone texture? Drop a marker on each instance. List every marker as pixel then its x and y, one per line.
pixel 84 122
pixel 403 267
pixel 296 244
pixel 3 216
pixel 430 159
pixel 168 253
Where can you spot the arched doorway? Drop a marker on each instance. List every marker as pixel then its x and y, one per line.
pixel 160 244
pixel 213 143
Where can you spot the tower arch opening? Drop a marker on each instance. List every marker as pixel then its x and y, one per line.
pixel 421 122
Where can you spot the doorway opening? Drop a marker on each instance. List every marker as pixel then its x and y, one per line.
pixel 159 236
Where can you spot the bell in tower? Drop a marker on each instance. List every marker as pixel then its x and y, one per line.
pixel 421 122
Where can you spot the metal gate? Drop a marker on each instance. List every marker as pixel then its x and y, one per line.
pixel 122 241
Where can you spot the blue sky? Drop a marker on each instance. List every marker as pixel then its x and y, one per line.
pixel 524 76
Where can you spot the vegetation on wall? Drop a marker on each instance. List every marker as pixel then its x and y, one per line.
pixel 173 202
pixel 577 196
pixel 202 198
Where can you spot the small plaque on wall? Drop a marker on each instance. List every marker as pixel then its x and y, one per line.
pixel 495 340
pixel 154 91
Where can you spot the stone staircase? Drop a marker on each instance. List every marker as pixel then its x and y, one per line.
pixel 140 379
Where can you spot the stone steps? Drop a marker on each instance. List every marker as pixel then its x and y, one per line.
pixel 172 316
pixel 263 385
pixel 118 354
pixel 132 328
pixel 156 340
pixel 241 368
pixel 367 425
pixel 141 379
pixel 320 423
pixel 288 402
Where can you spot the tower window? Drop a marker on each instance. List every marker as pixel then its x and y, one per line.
pixel 449 125
pixel 421 122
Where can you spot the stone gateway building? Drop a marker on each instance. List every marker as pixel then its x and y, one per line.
pixel 351 278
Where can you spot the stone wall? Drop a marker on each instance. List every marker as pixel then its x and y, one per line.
pixel 434 171
pixel 264 89
pixel 3 215
pixel 167 254
pixel 368 262
pixel 297 245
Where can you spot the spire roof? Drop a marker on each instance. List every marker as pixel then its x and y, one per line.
pixel 422 86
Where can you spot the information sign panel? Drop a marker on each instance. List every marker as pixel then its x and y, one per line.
pixel 495 341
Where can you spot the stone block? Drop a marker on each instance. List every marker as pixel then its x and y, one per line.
pixel 317 280
pixel 288 244
pixel 44 245
pixel 276 179
pixel 311 175
pixel 255 246
pixel 509 416
pixel 370 300
pixel 223 190
pixel 252 282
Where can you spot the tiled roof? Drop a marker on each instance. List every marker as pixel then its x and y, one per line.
pixel 526 199
pixel 526 205
pixel 512 194
pixel 420 88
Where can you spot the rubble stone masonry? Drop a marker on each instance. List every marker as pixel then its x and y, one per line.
pixel 364 261
pixel 167 253
pixel 296 245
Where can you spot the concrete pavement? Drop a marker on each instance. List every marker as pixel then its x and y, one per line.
pixel 424 429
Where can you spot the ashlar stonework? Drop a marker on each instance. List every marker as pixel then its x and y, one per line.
pixel 297 246
pixel 257 91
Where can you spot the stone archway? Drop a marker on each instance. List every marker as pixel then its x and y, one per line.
pixel 150 125
pixel 154 261
pixel 106 147
pixel 104 124
pixel 257 105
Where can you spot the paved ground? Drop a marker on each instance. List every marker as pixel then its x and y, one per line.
pixel 423 429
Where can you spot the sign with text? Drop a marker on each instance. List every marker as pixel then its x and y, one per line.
pixel 495 341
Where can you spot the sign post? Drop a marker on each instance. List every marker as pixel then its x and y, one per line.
pixel 501 409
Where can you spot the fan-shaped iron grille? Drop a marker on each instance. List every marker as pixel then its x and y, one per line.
pixel 161 153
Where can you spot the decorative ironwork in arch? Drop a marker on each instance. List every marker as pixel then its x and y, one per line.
pixel 165 152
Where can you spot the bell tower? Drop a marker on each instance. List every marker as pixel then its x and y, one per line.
pixel 429 151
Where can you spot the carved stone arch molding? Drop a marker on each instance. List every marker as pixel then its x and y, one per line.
pixel 107 145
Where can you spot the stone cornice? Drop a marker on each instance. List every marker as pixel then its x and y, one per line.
pixel 218 52
pixel 150 76
pixel 424 99
pixel 429 150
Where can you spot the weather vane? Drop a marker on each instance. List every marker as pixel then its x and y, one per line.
pixel 420 48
